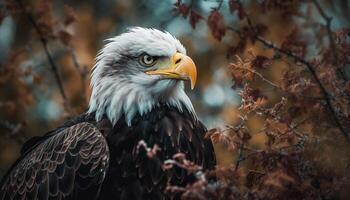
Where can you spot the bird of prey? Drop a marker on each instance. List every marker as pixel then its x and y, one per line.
pixel 137 95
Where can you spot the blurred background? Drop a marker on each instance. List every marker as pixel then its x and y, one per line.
pixel 30 100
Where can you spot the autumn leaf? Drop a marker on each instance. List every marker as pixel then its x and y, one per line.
pixel 69 15
pixel 194 18
pixel 237 79
pixel 64 37
pixel 216 24
pixel 254 178
pixel 292 43
pixel 261 62
pixel 213 134
pixel 233 5
pixel 243 68
pixel 181 8
pixel 45 19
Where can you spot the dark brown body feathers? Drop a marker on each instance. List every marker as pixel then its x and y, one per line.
pixel 85 159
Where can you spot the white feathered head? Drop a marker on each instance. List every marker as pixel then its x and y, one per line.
pixel 139 70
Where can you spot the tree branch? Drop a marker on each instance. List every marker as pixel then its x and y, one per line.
pixel 333 47
pixel 220 4
pixel 81 70
pixel 327 96
pixel 43 41
pixel 260 76
pixel 240 156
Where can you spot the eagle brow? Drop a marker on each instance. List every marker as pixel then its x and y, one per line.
pixel 128 56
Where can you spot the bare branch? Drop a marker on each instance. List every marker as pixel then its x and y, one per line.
pixel 333 47
pixel 327 96
pixel 220 4
pixel 82 72
pixel 43 41
pixel 240 156
pixel 260 76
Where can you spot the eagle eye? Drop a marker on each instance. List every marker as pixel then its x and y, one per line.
pixel 147 60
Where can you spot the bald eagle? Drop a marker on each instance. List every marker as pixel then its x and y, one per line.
pixel 137 95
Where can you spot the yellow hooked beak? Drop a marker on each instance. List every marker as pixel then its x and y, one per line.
pixel 181 67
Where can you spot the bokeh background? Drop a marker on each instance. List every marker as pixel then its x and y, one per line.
pixel 30 101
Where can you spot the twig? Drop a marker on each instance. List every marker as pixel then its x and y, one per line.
pixel 327 96
pixel 243 158
pixel 260 76
pixel 240 156
pixel 311 69
pixel 47 52
pixel 240 144
pixel 220 4
pixel 256 171
pixel 334 51
pixel 82 72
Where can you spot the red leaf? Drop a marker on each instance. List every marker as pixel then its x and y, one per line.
pixel 261 62
pixel 194 18
pixel 241 13
pixel 238 80
pixel 216 24
pixel 69 15
pixel 234 5
pixel 255 94
pixel 64 37
pixel 181 8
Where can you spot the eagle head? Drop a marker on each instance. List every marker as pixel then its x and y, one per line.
pixel 138 71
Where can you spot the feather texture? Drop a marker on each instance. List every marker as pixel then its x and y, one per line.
pixel 131 170
pixel 83 159
pixel 66 164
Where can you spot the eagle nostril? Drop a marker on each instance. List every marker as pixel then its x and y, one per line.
pixel 177 61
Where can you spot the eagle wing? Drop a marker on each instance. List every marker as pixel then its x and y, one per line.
pixel 70 164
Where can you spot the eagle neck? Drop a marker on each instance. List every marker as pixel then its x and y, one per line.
pixel 126 102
